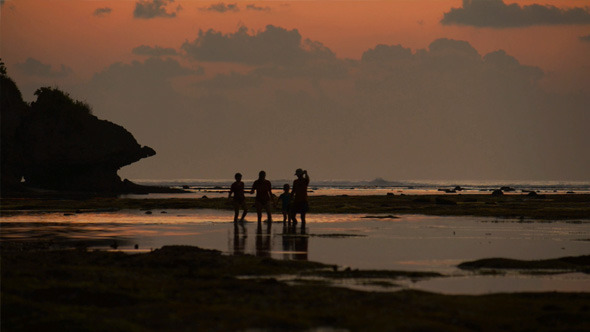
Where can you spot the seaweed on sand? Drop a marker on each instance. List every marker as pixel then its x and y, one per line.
pixel 187 288
pixel 564 264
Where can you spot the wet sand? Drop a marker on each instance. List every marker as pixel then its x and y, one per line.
pixel 411 243
pixel 186 288
pixel 524 206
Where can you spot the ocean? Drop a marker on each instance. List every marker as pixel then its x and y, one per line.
pixel 218 187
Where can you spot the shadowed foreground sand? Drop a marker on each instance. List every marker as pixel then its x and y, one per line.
pixel 188 289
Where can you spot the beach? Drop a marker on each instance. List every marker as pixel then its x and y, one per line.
pixel 392 253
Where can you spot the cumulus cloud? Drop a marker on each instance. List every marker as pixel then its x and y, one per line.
pixel 100 12
pixel 274 45
pixel 147 9
pixel 497 14
pixel 153 51
pixel 34 67
pixel 585 38
pixel 258 8
pixel 222 8
pixel 384 53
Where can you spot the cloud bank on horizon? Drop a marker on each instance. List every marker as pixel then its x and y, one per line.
pixel 34 67
pixel 497 14
pixel 441 112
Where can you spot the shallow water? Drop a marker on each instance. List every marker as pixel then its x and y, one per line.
pixel 410 242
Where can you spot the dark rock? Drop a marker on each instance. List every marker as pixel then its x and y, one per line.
pixel 458 188
pixel 507 189
pixel 390 194
pixel 57 144
pixel 13 111
pixel 497 192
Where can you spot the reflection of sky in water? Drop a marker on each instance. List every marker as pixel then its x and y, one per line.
pixel 412 242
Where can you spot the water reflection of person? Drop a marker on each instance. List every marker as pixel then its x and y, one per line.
pixel 263 241
pixel 240 236
pixel 295 246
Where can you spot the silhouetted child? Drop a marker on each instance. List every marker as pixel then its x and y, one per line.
pixel 285 200
pixel 237 189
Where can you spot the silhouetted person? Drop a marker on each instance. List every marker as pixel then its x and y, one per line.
pixel 285 201
pixel 263 190
pixel 299 197
pixel 239 200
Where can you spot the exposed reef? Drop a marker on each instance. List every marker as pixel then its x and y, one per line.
pixel 179 288
pixel 55 143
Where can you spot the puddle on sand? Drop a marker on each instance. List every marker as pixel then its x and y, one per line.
pixel 409 243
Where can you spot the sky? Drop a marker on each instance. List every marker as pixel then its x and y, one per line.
pixel 355 90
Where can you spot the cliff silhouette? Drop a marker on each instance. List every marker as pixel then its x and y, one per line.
pixel 56 143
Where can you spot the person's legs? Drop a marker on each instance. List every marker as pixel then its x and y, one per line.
pixel 236 211
pixel 304 208
pixel 245 208
pixel 259 211
pixel 268 212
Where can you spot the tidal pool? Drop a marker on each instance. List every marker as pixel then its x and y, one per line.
pixel 409 242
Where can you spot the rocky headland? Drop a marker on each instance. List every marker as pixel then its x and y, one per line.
pixel 55 143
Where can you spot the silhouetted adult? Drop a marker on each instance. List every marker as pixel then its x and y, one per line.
pixel 299 196
pixel 263 199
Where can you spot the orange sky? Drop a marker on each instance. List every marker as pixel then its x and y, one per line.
pixel 66 32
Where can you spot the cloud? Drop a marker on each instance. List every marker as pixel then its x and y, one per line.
pixel 222 8
pixel 100 12
pixel 585 38
pixel 257 8
pixel 33 67
pixel 231 81
pixel 147 9
pixel 497 14
pixel 274 45
pixel 151 70
pixel 384 53
pixel 153 51
pixel 445 111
